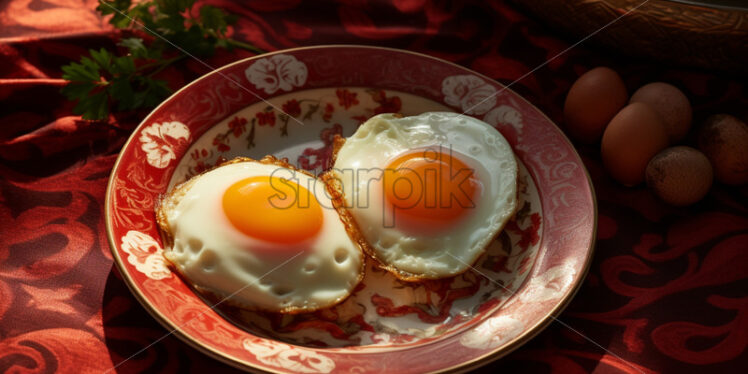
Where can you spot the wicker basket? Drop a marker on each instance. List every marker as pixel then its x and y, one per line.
pixel 689 33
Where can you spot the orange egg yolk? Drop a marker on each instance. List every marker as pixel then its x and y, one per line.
pixel 430 188
pixel 272 209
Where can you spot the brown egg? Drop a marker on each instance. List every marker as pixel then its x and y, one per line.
pixel 631 139
pixel 592 101
pixel 679 176
pixel 724 140
pixel 670 103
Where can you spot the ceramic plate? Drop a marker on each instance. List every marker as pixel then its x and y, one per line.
pixel 534 266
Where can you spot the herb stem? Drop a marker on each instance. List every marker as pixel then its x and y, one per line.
pixel 235 43
pixel 243 45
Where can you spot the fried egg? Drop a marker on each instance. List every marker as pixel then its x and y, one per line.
pixel 429 192
pixel 262 234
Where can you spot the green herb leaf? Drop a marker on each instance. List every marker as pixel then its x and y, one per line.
pixel 154 93
pixel 102 58
pixel 141 13
pixel 119 10
pixel 170 24
pixel 93 107
pixel 121 88
pixel 213 18
pixel 174 6
pixel 135 46
pixel 77 90
pixel 195 42
pixel 79 73
pixel 122 66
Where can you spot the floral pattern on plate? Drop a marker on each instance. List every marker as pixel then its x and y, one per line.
pixel 145 254
pixel 470 93
pixel 160 142
pixel 279 72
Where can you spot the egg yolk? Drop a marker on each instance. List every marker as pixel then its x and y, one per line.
pixel 272 209
pixel 430 187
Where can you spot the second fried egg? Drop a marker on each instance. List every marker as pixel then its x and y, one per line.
pixel 428 192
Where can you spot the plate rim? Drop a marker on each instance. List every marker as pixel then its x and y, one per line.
pixel 495 354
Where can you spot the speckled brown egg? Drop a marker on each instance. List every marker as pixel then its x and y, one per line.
pixel 680 175
pixel 591 103
pixel 631 139
pixel 724 140
pixel 670 103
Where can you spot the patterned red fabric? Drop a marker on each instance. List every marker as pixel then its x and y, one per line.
pixel 667 290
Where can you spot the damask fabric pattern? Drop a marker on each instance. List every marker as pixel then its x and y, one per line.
pixel 667 291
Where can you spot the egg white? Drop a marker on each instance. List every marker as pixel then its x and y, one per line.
pixel 412 255
pixel 218 259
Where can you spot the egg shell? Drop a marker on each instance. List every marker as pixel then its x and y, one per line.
pixel 724 140
pixel 593 100
pixel 680 175
pixel 631 139
pixel 671 104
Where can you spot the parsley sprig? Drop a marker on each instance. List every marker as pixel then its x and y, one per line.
pixel 105 81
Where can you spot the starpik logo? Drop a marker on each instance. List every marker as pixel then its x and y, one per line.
pixel 429 184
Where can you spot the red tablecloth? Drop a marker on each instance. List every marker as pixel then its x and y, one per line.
pixel 667 291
